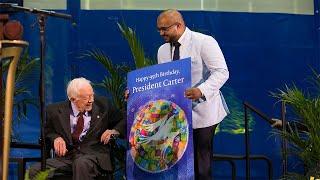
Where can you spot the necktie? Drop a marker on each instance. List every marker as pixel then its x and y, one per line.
pixel 176 53
pixel 78 130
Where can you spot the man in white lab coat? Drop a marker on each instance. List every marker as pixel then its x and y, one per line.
pixel 209 73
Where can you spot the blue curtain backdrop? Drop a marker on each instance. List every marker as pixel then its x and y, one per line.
pixel 264 51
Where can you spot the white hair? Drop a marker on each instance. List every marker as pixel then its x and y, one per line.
pixel 75 85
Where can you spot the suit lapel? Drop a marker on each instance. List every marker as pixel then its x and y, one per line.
pixel 96 118
pixel 65 111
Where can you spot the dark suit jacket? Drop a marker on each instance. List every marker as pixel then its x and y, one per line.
pixel 104 116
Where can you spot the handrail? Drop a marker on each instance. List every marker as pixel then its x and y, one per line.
pixel 284 145
pixel 257 111
pixel 247 145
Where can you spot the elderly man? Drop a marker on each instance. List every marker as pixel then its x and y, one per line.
pixel 209 72
pixel 79 130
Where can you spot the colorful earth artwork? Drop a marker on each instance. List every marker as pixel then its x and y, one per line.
pixel 158 136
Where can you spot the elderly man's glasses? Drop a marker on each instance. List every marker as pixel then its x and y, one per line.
pixel 86 98
pixel 165 29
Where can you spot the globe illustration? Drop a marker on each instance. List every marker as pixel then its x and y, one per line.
pixel 158 136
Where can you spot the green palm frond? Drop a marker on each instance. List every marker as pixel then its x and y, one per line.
pixel 135 46
pixel 116 87
pixel 27 74
pixel 21 106
pixel 315 80
pixel 42 175
pixel 294 176
pixel 114 82
pixel 304 144
pixel 99 56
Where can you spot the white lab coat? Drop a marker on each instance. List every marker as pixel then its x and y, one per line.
pixel 209 72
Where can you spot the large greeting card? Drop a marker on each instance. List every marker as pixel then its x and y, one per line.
pixel 159 122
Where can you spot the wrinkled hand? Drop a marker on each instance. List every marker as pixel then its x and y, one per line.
pixel 193 93
pixel 60 147
pixel 105 137
pixel 126 94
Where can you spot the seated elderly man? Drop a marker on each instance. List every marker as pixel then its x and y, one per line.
pixel 79 130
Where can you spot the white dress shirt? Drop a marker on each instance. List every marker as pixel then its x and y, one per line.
pixel 208 72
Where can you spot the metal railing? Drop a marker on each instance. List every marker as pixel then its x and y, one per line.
pixel 247 107
pixel 247 157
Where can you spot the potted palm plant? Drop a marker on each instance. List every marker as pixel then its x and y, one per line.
pixel 303 143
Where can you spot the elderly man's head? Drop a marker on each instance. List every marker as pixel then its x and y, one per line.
pixel 170 25
pixel 80 92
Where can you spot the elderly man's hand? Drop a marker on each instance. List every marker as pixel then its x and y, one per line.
pixel 193 93
pixel 60 147
pixel 105 137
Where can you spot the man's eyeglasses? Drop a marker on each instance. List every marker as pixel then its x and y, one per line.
pixel 165 29
pixel 86 98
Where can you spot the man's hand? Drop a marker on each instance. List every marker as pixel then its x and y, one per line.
pixel 277 123
pixel 60 147
pixel 126 94
pixel 105 137
pixel 193 93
